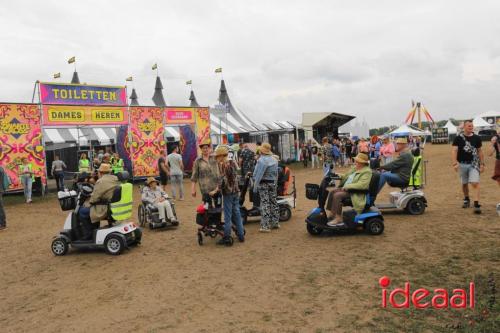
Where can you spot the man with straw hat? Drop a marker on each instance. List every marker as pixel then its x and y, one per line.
pixel 400 168
pixel 265 182
pixel 228 185
pixel 357 179
pixel 153 194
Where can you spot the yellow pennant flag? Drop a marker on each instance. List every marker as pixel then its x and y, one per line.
pixel 189 82
pixel 155 66
pixel 129 78
pixel 71 60
pixel 218 70
pixel 57 75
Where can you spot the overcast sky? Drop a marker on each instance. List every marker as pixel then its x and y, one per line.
pixel 279 58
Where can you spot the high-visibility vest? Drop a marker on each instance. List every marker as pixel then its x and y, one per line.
pixel 117 166
pixel 416 172
pixel 84 165
pixel 30 168
pixel 122 209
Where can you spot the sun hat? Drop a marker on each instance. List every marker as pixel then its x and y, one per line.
pixel 104 168
pixel 266 149
pixel 221 151
pixel 362 158
pixel 204 144
pixel 151 180
pixel 402 140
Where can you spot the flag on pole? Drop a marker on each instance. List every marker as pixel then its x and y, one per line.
pixel 57 75
pixel 218 70
pixel 155 66
pixel 71 60
pixel 129 78
pixel 189 82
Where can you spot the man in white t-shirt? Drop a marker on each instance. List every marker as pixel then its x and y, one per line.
pixel 176 172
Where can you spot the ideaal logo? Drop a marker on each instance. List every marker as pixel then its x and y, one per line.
pixel 423 298
pixel 15 128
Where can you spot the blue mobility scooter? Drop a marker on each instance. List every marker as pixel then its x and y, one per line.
pixel 370 220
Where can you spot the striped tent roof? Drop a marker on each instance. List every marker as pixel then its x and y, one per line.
pixel 234 121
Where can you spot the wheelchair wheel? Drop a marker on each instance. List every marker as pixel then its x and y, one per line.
pixel 200 239
pixel 141 215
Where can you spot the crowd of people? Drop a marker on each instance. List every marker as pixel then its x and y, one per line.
pixel 220 177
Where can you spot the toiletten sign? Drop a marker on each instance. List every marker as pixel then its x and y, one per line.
pixel 81 94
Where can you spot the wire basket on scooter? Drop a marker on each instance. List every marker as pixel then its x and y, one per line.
pixel 312 191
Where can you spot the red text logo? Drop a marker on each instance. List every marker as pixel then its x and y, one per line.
pixel 422 298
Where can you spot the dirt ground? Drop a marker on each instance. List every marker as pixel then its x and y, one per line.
pixel 285 281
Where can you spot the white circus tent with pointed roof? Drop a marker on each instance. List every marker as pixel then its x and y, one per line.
pixel 227 119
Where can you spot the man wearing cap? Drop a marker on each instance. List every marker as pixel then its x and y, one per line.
pixel 154 195
pixel 400 168
pixel 102 193
pixel 205 172
pixel 357 179
pixel 265 182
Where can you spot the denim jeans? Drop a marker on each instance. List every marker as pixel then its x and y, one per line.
pixel 392 178
pixel 59 177
pixel 231 203
pixel 27 182
pixel 327 167
pixel 176 183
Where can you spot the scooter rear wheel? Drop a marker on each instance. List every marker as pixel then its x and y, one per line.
pixel 415 206
pixel 285 213
pixel 374 226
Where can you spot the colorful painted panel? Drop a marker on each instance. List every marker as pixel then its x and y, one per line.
pixel 21 136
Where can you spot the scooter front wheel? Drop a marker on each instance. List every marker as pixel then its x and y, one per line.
pixel 60 246
pixel 313 230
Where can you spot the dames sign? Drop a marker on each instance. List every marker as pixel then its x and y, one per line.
pixel 84 115
pixel 78 94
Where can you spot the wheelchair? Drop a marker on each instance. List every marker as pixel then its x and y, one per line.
pixel 148 215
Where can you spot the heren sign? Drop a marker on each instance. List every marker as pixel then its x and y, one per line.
pixel 84 115
pixel 77 94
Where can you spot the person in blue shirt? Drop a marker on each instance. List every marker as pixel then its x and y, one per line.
pixel 265 181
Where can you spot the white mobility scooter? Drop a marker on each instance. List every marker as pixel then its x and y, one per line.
pixel 114 237
pixel 410 197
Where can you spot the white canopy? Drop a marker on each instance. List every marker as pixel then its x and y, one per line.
pixel 480 122
pixel 406 130
pixel 452 129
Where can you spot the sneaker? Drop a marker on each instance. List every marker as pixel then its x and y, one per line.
pixel 264 230
pixel 241 239
pixel 181 199
pixel 477 209
pixel 466 204
pixel 277 226
pixel 224 241
pixel 3 227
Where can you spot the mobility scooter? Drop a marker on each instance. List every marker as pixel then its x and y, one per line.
pixel 370 220
pixel 114 238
